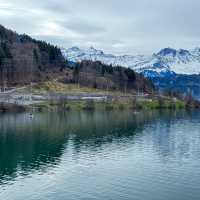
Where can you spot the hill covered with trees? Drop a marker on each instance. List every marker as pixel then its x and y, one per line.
pixel 101 76
pixel 24 60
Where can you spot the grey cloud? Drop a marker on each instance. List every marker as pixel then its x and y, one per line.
pixel 128 26
pixel 55 6
pixel 83 27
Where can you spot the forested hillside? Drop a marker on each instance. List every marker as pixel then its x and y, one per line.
pixel 23 59
pixel 102 76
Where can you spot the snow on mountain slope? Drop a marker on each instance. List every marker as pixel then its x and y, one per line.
pixel 166 62
pixel 75 54
pixel 180 61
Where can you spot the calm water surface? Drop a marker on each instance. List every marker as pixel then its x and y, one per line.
pixel 100 155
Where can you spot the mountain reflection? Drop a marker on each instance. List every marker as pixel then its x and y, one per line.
pixel 28 145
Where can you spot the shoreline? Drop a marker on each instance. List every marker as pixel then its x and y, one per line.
pixel 63 97
pixel 91 102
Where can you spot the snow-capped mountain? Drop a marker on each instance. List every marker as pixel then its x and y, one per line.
pixel 166 62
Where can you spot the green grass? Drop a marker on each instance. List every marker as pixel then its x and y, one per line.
pixel 112 105
pixel 165 104
pixel 82 105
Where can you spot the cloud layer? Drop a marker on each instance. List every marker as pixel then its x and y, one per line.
pixel 128 26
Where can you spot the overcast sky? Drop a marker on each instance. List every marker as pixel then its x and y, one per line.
pixel 116 26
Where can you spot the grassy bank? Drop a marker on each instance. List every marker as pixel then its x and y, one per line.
pixel 161 104
pixel 111 105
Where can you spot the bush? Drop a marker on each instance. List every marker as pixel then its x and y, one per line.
pixel 121 107
pixel 109 106
pixel 89 105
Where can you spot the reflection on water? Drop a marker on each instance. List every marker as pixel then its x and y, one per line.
pixel 121 155
pixel 28 144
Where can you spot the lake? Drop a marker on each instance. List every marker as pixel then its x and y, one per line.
pixel 113 155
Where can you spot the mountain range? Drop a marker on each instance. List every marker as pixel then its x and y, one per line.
pixel 166 62
pixel 169 69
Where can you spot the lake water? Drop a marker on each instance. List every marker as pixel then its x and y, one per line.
pixel 100 155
